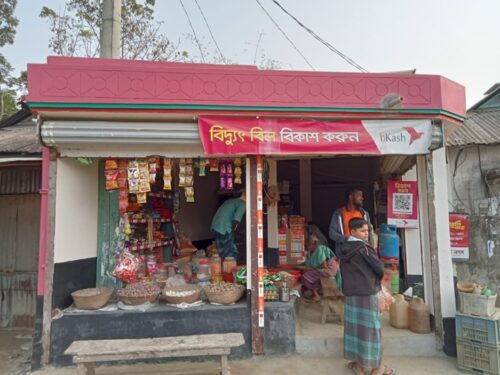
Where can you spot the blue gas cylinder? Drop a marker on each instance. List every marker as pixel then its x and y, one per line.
pixel 388 241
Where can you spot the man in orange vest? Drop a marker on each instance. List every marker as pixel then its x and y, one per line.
pixel 339 224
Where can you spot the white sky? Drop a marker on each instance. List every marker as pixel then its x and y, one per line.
pixel 459 39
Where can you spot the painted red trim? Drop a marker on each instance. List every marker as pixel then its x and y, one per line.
pixel 78 80
pixel 44 227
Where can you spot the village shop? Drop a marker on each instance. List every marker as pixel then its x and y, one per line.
pixel 140 155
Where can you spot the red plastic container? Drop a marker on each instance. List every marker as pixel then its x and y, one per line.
pixel 228 277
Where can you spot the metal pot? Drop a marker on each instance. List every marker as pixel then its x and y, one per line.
pixel 285 293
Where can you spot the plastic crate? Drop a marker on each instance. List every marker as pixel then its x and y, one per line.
pixel 484 330
pixel 477 304
pixel 478 358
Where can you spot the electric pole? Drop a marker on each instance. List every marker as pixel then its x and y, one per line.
pixel 111 30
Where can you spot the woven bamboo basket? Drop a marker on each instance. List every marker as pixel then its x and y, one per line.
pixel 139 300
pixel 225 298
pixel 91 298
pixel 191 298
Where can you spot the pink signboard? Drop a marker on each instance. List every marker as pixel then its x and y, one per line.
pixel 239 136
pixel 402 203
pixel 459 236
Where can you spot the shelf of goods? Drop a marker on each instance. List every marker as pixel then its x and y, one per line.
pixel 145 221
pixel 149 245
pixel 478 342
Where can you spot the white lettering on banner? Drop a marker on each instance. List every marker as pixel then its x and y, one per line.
pixel 341 137
pixel 287 134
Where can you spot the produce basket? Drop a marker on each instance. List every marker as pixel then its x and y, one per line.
pixel 477 304
pixel 466 287
pixel 189 293
pixel 137 294
pixel 91 298
pixel 224 293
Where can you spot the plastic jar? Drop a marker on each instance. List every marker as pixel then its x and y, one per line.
pixel 203 274
pixel 215 265
pixel 151 264
pixel 228 265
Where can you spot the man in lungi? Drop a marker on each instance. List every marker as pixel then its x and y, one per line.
pixel 225 222
pixel 362 273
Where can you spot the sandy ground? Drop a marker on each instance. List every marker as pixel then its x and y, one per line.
pixel 15 351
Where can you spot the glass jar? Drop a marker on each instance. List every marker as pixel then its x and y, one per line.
pixel 151 264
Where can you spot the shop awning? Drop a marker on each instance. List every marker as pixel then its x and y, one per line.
pixel 64 133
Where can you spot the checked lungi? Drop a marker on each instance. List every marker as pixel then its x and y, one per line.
pixel 362 333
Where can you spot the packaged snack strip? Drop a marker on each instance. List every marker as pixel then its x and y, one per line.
pixel 222 182
pixel 111 179
pixel 143 174
pixel 189 161
pixel 152 178
pixel 182 180
pixel 229 168
pixel 167 183
pixel 144 186
pixel 110 164
pixel 222 168
pixel 202 171
pixel 122 163
pixel 214 165
pixel 167 172
pixel 133 186
pixel 141 198
pixel 122 183
pixel 229 183
pixel 122 205
pixel 167 163
pixel 189 193
pixel 133 170
pixel 123 193
pixel 189 169
pixel 182 169
pixel 122 173
pixel 189 180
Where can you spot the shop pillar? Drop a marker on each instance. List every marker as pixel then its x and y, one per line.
pixel 436 255
pixel 305 188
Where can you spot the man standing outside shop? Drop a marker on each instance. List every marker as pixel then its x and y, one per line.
pixel 224 223
pixel 339 223
pixel 362 273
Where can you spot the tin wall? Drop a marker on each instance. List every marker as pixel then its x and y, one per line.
pixel 19 232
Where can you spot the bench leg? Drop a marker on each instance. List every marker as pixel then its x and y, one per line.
pixel 224 364
pixel 88 367
pixel 325 310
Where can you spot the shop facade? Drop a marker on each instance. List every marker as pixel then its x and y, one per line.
pixel 102 109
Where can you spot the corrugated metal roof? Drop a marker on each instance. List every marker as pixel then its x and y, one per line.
pixel 20 179
pixel 482 127
pixel 21 139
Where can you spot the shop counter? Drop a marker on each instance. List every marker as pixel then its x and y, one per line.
pixel 165 321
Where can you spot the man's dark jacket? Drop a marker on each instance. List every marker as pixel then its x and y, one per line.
pixel 361 269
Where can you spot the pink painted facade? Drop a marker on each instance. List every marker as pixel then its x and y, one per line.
pixel 170 85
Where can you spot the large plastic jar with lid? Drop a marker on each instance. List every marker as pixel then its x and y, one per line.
pixel 215 265
pixel 203 274
pixel 228 265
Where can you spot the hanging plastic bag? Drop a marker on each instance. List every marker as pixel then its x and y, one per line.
pixel 385 299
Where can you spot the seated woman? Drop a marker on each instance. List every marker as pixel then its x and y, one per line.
pixel 320 262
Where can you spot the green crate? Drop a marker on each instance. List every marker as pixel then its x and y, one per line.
pixel 478 358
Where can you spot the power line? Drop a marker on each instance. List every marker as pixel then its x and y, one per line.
pixel 321 40
pixel 284 34
pixel 209 29
pixel 194 32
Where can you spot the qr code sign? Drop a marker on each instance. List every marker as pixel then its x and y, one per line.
pixel 402 203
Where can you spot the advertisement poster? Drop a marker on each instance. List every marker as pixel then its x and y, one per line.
pixel 257 136
pixel 402 203
pixel 459 236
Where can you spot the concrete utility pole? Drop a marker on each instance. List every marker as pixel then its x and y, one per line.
pixel 111 29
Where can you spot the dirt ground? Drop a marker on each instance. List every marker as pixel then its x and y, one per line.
pixel 15 352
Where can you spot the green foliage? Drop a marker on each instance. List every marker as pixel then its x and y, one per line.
pixel 8 22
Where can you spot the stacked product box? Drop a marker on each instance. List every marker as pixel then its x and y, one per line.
pixel 296 240
pixel 282 246
pixel 478 342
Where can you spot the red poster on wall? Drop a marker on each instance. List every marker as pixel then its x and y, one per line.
pixel 402 203
pixel 459 236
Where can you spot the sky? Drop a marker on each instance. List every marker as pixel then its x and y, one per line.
pixel 458 39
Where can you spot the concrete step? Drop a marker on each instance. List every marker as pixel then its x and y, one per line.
pixel 316 339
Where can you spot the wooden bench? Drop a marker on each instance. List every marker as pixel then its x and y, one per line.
pixel 332 301
pixel 87 352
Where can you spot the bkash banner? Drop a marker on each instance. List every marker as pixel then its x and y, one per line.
pixel 239 136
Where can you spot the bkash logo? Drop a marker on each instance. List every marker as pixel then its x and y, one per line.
pixel 401 137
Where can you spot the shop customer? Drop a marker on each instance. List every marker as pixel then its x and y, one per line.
pixel 320 262
pixel 339 223
pixel 362 273
pixel 225 222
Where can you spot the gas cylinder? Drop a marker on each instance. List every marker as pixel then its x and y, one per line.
pixel 388 241
pixel 398 312
pixel 419 316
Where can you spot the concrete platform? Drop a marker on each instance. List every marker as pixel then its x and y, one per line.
pixel 316 339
